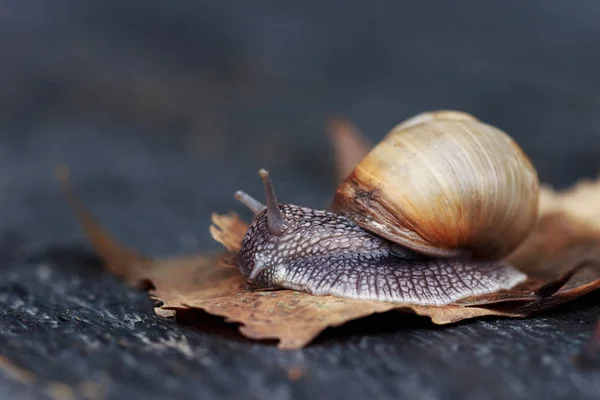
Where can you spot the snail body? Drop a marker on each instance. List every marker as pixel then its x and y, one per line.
pixel 425 218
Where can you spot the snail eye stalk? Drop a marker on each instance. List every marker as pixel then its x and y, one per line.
pixel 274 215
pixel 254 205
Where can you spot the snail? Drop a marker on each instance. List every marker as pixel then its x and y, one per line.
pixel 426 218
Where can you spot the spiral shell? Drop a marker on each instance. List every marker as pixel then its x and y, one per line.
pixel 444 183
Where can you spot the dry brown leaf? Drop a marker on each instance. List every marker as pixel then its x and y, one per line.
pixel 581 201
pixel 202 282
pixel 294 318
pixel 567 234
pixel 562 258
pixel 122 262
pixel 350 146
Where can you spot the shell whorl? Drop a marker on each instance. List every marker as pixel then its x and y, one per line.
pixel 442 184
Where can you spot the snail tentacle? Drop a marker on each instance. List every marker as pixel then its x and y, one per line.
pixel 254 205
pixel 275 218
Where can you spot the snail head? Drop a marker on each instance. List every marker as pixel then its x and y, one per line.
pixel 282 234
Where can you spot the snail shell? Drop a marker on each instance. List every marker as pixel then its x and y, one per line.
pixel 443 184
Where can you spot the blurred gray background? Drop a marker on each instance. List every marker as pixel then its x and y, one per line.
pixel 163 109
pixel 190 98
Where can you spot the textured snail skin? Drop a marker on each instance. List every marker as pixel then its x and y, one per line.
pixel 324 253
